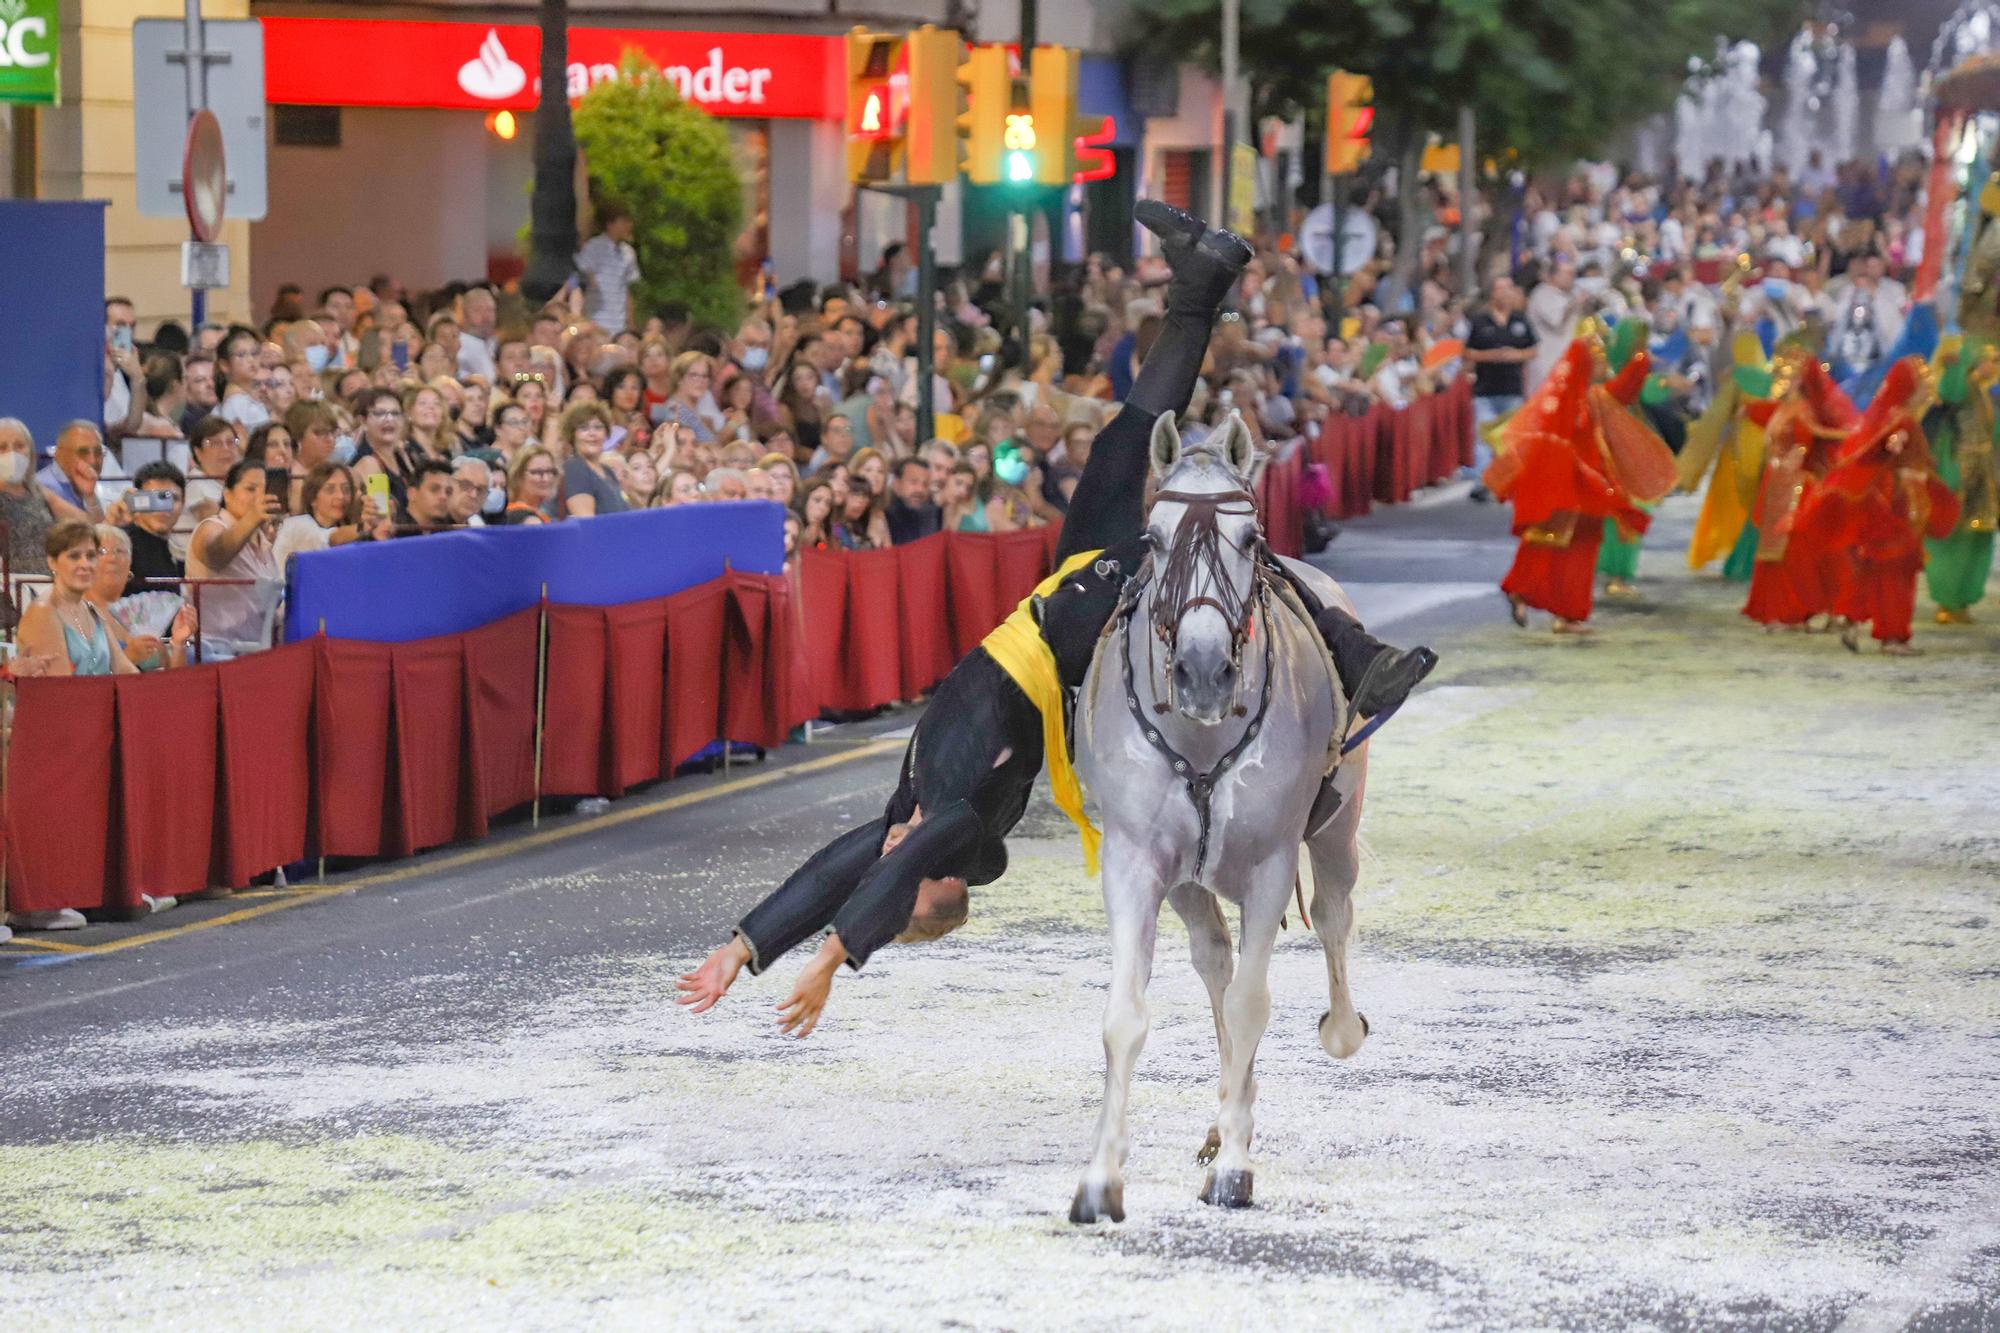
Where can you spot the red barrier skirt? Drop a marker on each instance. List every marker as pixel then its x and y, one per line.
pixel 166 772
pixel 500 714
pixel 823 612
pixel 759 650
pixel 351 727
pixel 59 797
pixel 1023 562
pixel 874 630
pixel 694 676
pixel 573 748
pixel 636 652
pixel 428 678
pixel 972 573
pixel 1278 505
pixel 926 615
pixel 264 807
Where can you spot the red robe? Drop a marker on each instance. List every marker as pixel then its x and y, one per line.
pixel 1796 576
pixel 1559 474
pixel 1878 502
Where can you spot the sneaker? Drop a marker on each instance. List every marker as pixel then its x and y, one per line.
pixel 165 903
pixel 63 918
pixel 6 932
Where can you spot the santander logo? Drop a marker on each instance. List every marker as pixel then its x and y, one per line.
pixel 492 74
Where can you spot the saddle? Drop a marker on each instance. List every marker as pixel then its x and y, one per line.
pixel 1304 604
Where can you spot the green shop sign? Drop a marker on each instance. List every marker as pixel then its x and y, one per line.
pixel 28 50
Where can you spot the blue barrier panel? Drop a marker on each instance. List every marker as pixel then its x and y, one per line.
pixel 52 338
pixel 420 587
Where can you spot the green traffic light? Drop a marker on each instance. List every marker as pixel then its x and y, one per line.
pixel 1020 167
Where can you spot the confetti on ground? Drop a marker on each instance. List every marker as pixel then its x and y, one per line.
pixel 1677 944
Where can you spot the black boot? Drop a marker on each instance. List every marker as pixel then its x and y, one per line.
pixel 1206 263
pixel 1388 679
pixel 1374 676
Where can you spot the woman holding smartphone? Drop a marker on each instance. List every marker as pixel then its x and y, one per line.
pixel 238 545
pixel 334 515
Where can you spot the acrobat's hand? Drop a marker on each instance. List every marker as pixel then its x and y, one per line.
pixel 800 1012
pixel 701 988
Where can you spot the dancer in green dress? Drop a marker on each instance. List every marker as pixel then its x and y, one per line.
pixel 1961 429
pixel 1617 558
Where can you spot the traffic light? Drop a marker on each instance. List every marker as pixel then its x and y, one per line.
pixel 1019 140
pixel 872 138
pixel 983 126
pixel 1349 119
pixel 1052 75
pixel 930 138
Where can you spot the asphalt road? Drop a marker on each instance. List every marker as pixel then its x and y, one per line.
pixel 1677 945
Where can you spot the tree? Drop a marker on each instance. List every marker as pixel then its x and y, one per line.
pixel 1551 80
pixel 552 211
pixel 670 164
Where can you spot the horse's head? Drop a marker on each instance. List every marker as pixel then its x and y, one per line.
pixel 1206 545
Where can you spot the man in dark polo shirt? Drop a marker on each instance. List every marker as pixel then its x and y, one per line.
pixel 1499 347
pixel 910 511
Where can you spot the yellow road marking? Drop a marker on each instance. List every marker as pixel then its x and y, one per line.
pixel 51 945
pixel 483 852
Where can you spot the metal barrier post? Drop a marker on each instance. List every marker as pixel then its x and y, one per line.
pixel 7 699
pixel 541 698
pixel 322 850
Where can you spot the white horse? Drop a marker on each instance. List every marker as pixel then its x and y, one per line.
pixel 1204 732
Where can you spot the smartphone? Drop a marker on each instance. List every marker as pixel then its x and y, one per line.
pixel 378 492
pixel 151 502
pixel 121 337
pixel 400 353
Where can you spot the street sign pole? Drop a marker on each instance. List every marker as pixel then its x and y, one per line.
pixel 195 58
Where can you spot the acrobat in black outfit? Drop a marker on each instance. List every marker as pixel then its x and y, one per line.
pixel 975 753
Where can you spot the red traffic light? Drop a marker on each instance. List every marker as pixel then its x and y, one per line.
pixel 873 120
pixel 1363 122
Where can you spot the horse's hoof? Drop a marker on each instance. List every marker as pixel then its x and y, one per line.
pixel 1227 1189
pixel 1206 1153
pixel 1093 1202
pixel 1341 1040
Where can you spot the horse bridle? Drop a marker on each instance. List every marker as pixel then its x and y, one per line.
pixel 1197 548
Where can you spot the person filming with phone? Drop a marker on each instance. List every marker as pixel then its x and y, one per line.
pixel 155 502
pixel 238 545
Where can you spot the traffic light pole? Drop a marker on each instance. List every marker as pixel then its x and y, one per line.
pixel 1025 211
pixel 1337 203
pixel 925 197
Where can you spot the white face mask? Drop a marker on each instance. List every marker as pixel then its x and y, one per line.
pixel 756 358
pixel 13 468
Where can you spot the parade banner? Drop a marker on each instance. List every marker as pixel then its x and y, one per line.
pixel 393 592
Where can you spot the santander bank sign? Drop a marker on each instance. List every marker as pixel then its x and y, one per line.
pixel 482 66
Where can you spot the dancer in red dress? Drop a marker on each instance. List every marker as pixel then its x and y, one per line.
pixel 1796 577
pixel 1574 456
pixel 1878 502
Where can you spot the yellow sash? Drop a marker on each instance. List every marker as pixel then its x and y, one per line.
pixel 1018 646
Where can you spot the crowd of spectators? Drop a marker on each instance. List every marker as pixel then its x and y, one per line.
pixel 372 413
